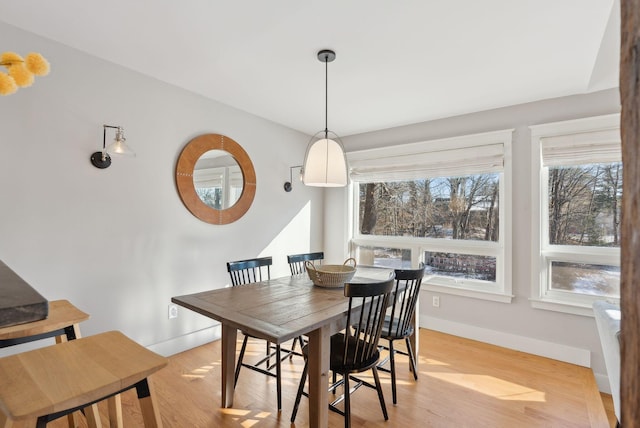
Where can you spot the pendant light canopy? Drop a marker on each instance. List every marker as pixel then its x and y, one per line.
pixel 325 164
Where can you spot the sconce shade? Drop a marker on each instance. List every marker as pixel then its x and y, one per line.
pixel 325 164
pixel 119 145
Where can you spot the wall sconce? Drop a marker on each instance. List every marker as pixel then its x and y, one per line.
pixel 289 184
pixel 102 159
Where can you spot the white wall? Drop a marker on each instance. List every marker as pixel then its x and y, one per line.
pixel 118 243
pixel 516 325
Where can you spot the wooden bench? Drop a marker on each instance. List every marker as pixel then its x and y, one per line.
pixel 47 383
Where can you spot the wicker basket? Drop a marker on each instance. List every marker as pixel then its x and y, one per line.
pixel 331 276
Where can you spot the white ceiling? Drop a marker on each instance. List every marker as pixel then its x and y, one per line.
pixel 398 62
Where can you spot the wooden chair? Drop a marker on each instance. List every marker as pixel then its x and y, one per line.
pixel 47 383
pixel 296 261
pixel 399 322
pixel 356 350
pixel 245 272
pixel 62 323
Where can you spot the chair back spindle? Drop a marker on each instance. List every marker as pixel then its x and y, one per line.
pixel 247 271
pixel 404 300
pixel 361 344
pixel 296 261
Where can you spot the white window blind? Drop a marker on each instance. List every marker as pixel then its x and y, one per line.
pixel 429 164
pixel 210 177
pixel 581 148
pixel 215 177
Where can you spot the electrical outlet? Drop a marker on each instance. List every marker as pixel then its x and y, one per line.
pixel 436 301
pixel 173 311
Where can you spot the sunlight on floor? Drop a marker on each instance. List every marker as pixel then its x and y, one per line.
pixel 202 371
pixel 432 362
pixel 244 417
pixel 491 386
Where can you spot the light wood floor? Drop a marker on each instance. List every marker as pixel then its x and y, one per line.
pixel 462 383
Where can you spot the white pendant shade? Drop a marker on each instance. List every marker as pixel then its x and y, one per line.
pixel 325 164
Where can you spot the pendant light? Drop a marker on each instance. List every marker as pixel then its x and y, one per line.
pixel 325 164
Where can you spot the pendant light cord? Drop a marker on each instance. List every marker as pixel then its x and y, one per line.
pixel 326 97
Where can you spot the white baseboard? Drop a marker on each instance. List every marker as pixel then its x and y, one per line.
pixel 187 341
pixel 603 383
pixel 569 354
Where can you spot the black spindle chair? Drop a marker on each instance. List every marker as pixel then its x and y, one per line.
pixel 296 261
pixel 244 272
pixel 297 266
pixel 356 349
pixel 399 322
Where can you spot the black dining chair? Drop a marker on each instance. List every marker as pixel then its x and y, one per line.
pixel 297 266
pixel 398 323
pixel 297 261
pixel 244 272
pixel 356 349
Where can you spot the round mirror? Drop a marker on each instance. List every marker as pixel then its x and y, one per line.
pixel 215 179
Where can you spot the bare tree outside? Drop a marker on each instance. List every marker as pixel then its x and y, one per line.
pixel 584 211
pixel 448 207
pixel 453 208
pixel 583 205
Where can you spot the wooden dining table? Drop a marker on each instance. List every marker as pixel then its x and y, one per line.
pixel 279 310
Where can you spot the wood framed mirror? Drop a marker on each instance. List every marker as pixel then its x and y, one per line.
pixel 215 178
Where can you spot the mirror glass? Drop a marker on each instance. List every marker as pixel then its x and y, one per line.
pixel 215 179
pixel 218 179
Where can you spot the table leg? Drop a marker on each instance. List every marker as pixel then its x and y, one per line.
pixel 319 350
pixel 229 337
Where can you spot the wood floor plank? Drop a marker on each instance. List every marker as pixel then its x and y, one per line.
pixel 462 383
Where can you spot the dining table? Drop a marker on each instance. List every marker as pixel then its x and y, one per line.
pixel 278 310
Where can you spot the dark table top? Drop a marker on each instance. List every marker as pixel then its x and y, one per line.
pixel 19 302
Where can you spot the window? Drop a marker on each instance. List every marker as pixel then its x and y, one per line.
pixel 576 199
pixel 442 203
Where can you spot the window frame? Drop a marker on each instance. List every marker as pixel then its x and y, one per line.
pixel 501 291
pixel 544 253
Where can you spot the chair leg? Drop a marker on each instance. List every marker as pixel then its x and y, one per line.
pixel 380 396
pixel 240 357
pixel 303 380
pixel 114 404
pixel 392 361
pixel 6 422
pixel 293 347
pixel 278 378
pixel 268 352
pixel 412 359
pixel 347 401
